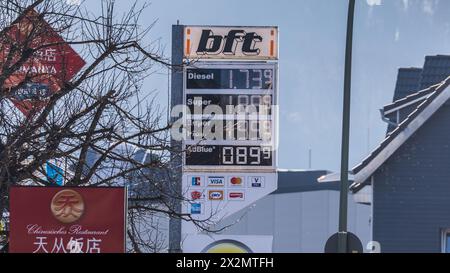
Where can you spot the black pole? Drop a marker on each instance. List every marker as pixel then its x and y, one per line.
pixel 343 201
pixel 176 98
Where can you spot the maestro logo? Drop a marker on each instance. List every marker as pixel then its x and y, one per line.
pixel 67 206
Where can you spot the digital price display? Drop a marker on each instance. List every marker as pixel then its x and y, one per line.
pixel 200 102
pixel 230 103
pixel 228 155
pixel 227 78
pixel 239 130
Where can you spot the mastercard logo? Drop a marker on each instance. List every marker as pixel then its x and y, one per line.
pixel 236 181
pixel 227 246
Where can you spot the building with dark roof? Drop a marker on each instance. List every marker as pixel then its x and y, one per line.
pixel 435 70
pixel 408 175
pixel 409 82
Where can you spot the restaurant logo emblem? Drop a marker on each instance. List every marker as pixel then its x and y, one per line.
pixel 67 206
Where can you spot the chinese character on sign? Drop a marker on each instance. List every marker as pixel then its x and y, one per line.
pixel 58 246
pixel 37 219
pixel 54 62
pixel 93 245
pixel 41 243
pixel 75 246
pixel 48 55
pixel 67 206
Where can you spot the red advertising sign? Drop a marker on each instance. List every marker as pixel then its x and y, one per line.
pixel 44 73
pixel 67 219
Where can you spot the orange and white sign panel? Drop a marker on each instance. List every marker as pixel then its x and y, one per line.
pixel 204 42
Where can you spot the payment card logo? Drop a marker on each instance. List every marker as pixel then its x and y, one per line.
pixel 215 195
pixel 236 195
pixel 216 181
pixel 236 181
pixel 196 208
pixel 256 182
pixel 196 181
pixel 197 195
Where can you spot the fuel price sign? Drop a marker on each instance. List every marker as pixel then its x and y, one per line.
pixel 230 119
pixel 232 116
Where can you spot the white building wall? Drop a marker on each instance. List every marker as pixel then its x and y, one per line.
pixel 299 221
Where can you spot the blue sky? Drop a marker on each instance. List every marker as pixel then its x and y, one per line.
pixel 389 34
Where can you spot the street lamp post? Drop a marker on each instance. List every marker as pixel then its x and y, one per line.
pixel 343 201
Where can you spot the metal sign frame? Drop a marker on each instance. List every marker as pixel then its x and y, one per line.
pixel 274 114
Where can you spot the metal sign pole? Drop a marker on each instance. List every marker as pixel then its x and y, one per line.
pixel 176 177
pixel 342 240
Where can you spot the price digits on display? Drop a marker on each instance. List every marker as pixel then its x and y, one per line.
pixel 225 78
pixel 228 155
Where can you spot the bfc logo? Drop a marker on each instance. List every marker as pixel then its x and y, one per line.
pixel 216 44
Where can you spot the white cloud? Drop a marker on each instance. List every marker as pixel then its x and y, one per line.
pixel 373 2
pixel 397 35
pixel 295 117
pixel 429 6
pixel 405 4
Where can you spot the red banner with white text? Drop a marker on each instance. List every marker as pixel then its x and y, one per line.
pixel 67 220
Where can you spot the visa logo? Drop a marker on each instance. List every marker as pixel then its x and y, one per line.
pixel 216 181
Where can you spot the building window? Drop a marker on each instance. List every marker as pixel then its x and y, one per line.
pixel 446 241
